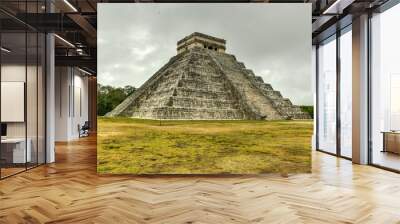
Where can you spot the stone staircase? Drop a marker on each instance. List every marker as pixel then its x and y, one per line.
pixel 261 97
pixel 255 100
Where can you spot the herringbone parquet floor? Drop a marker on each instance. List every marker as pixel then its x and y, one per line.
pixel 70 191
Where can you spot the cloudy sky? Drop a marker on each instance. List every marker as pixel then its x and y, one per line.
pixel 274 40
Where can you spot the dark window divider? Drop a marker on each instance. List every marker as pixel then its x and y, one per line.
pixel 338 82
pixel 0 97
pixel 316 97
pixel 26 87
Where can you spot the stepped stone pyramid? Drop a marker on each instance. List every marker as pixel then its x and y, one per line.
pixel 202 82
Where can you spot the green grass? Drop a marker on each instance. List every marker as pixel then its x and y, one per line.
pixel 135 146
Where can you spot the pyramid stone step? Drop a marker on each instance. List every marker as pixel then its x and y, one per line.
pixel 207 86
pixel 241 65
pixel 265 86
pixel 202 93
pixel 193 102
pixel 203 79
pixel 273 94
pixel 171 113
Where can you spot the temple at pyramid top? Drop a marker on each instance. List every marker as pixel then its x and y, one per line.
pixel 201 40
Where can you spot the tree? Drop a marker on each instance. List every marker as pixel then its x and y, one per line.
pixel 108 97
pixel 308 109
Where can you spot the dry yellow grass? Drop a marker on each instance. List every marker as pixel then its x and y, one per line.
pixel 134 146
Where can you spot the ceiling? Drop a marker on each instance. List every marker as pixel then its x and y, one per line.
pixel 75 22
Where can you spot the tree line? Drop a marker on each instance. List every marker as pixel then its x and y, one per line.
pixel 308 109
pixel 108 97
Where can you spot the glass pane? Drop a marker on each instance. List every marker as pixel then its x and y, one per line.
pixel 327 96
pixel 13 86
pixel 23 90
pixel 314 78
pixel 346 94
pixel 32 88
pixel 386 89
pixel 41 99
pixel 32 98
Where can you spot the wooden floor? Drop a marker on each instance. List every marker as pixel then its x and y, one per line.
pixel 70 191
pixel 5 172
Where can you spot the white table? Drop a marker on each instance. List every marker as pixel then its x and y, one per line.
pixel 19 153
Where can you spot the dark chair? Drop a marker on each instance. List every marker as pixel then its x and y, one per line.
pixel 84 130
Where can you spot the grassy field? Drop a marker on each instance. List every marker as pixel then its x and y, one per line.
pixel 134 146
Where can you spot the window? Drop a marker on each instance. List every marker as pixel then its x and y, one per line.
pixel 346 93
pixel 335 74
pixel 327 96
pixel 385 89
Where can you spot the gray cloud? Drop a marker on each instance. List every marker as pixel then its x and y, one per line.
pixel 274 40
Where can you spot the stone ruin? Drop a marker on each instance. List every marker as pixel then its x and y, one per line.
pixel 202 82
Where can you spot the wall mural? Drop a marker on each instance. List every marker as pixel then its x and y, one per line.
pixel 204 110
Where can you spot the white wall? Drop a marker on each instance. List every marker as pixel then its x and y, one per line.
pixel 62 82
pixel 71 102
